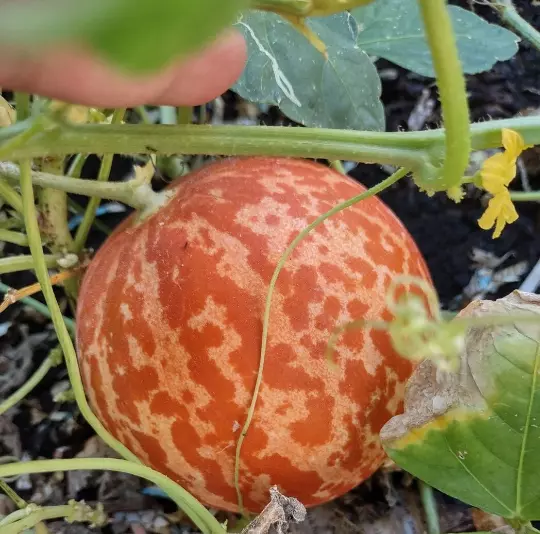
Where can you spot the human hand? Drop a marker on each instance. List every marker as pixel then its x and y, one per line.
pixel 77 77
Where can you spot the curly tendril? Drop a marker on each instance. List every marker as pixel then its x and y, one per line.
pixel 417 330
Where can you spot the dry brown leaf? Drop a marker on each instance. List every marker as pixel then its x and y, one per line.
pixel 432 392
pixel 277 515
pixel 489 522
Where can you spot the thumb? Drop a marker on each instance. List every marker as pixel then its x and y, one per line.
pixel 76 76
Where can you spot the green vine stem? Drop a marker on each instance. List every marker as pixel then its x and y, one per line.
pixel 385 148
pixel 174 166
pixel 14 264
pixel 337 165
pixel 204 520
pixel 31 519
pixel 12 223
pixel 53 210
pixel 66 343
pixel 93 204
pixel 22 105
pixel 16 238
pixel 26 129
pixel 39 528
pixel 19 501
pixel 143 114
pixel 132 193
pixel 430 508
pixel 31 516
pixel 54 217
pixel 401 173
pixel 52 360
pixel 76 208
pixel 185 115
pixel 452 91
pixel 510 15
pixel 39 307
pixel 11 196
pixel 525 196
pixel 196 511
pixel 76 166
pixel 407 149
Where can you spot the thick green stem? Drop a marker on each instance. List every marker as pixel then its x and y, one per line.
pixel 54 217
pixel 11 196
pixel 510 15
pixel 53 211
pixel 375 190
pixel 375 147
pixel 14 264
pixel 39 307
pixel 452 91
pixel 64 338
pixel 204 520
pixel 418 151
pixel 125 192
pixel 93 204
pixel 29 385
pixel 430 508
pixel 392 148
pixel 17 238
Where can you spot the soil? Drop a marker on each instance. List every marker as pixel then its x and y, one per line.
pixel 445 232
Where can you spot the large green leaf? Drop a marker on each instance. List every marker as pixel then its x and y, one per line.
pixel 476 435
pixel 284 69
pixel 139 35
pixel 393 29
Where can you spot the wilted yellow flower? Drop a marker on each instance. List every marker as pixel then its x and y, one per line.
pixel 497 173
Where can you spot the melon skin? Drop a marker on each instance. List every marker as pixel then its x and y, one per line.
pixel 169 328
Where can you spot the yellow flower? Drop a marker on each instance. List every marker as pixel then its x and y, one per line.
pixel 500 212
pixel 497 173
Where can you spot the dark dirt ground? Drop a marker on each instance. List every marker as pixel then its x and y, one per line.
pixel 446 234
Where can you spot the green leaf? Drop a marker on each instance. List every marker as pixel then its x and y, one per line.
pixel 476 435
pixel 140 36
pixel 393 29
pixel 284 69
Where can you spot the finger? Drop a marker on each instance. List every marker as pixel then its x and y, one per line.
pixel 78 77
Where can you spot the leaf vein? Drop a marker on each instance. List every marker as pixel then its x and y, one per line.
pixel 523 451
pixel 474 477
